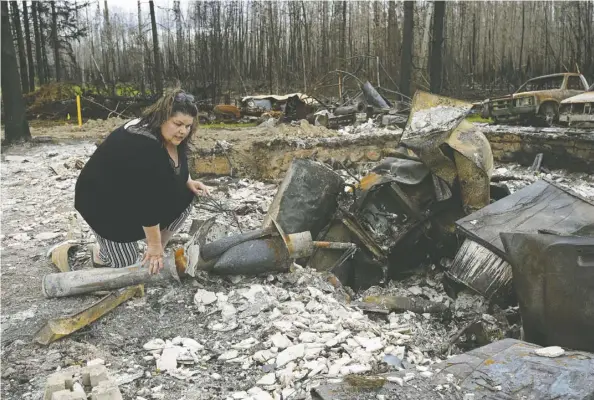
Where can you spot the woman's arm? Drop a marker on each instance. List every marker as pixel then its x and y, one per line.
pixel 154 254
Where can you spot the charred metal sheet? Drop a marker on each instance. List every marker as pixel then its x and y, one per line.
pixel 541 205
pixel 452 148
pixel 507 369
pixel 306 199
pixel 59 254
pixel 554 281
pixel 57 328
pixel 482 270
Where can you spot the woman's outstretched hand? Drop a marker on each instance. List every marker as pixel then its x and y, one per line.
pixel 198 188
pixel 153 258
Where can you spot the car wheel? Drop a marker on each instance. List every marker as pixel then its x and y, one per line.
pixel 549 113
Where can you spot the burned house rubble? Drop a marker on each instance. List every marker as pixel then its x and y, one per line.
pixel 425 270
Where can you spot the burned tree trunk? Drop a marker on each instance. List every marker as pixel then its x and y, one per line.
pixel 141 46
pixel 15 119
pixel 56 42
pixel 158 73
pixel 522 44
pixel 38 58
pixel 436 47
pixel 16 21
pixel 29 48
pixel 407 46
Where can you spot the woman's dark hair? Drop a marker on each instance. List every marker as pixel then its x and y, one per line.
pixel 173 101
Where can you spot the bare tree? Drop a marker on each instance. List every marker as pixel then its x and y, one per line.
pixel 436 47
pixel 29 48
pixel 16 21
pixel 158 73
pixel 38 55
pixel 15 119
pixel 407 47
pixel 56 42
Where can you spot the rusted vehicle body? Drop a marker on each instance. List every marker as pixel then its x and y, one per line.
pixel 538 98
pixel 578 110
pixel 226 112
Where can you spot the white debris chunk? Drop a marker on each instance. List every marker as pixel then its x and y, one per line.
pixel 155 344
pixel 289 354
pixel 308 337
pixel 395 379
pixel 551 352
pixel 204 297
pixel 192 344
pixel 279 340
pixel 168 359
pixel 229 355
pixel 267 380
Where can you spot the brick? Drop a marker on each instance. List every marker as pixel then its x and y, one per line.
pixel 94 374
pixel 106 390
pixel 68 395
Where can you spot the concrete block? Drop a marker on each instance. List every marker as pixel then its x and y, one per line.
pixel 94 374
pixel 106 390
pixel 55 383
pixel 68 395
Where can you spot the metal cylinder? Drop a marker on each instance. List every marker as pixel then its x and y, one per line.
pixel 346 110
pixel 87 281
pixel 254 257
pixel 299 245
pixel 373 97
pixel 214 249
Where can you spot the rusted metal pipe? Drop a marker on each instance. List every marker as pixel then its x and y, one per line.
pixel 87 281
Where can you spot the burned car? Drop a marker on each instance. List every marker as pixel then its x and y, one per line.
pixel 537 99
pixel 578 110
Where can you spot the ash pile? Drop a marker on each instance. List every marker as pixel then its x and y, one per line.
pixel 423 278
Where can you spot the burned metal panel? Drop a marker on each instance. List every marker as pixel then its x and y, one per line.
pixel 506 369
pixel 513 365
pixel 542 205
pixel 554 281
pixel 307 198
pixel 481 270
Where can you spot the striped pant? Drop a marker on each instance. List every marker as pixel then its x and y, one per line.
pixel 118 255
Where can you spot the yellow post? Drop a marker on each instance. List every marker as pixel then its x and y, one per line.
pixel 78 110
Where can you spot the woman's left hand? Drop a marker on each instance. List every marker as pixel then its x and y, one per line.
pixel 198 188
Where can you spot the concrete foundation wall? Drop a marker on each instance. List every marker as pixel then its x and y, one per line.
pixel 269 159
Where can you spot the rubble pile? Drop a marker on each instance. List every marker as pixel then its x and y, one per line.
pixel 516 177
pixel 290 332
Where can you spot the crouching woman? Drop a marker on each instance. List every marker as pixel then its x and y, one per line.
pixel 137 185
